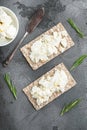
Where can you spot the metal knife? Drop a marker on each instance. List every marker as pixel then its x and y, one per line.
pixel 33 23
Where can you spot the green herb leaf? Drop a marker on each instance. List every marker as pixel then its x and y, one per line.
pixel 10 85
pixel 78 62
pixel 74 26
pixel 69 106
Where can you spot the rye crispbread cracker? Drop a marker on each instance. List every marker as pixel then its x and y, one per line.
pixel 71 83
pixel 27 48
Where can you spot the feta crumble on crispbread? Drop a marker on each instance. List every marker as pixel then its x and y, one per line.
pixel 47 46
pixel 49 86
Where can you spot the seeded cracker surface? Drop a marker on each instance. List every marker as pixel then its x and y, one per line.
pixel 71 83
pixel 27 48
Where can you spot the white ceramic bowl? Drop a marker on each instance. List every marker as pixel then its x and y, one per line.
pixel 15 23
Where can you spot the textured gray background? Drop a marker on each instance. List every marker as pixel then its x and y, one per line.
pixel 19 114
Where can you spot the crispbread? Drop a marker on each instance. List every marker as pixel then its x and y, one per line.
pixel 27 48
pixel 69 85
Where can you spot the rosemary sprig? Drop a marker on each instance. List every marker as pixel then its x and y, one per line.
pixel 74 26
pixel 10 85
pixel 78 62
pixel 69 106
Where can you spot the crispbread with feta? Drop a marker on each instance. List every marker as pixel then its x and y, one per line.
pixel 49 86
pixel 47 46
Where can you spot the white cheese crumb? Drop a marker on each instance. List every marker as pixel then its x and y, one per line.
pixel 64 42
pixel 7 29
pixel 64 33
pixel 47 86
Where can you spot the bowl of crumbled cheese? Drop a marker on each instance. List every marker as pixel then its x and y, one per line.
pixel 9 26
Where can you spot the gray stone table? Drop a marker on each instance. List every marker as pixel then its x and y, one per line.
pixel 19 114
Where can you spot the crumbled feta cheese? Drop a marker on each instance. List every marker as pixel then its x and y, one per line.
pixel 5 19
pixel 63 81
pixel 47 46
pixel 42 49
pixel 10 32
pixel 64 33
pixel 64 42
pixel 49 85
pixel 57 37
pixel 7 29
pixel 55 34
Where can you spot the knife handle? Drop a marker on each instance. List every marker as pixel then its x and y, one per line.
pixel 9 58
pixel 35 20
